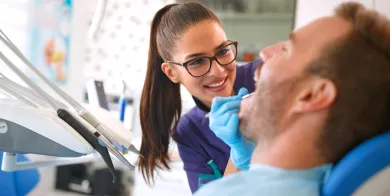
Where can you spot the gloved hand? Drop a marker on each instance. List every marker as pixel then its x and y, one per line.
pixel 224 123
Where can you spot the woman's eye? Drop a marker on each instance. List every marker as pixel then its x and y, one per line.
pixel 196 62
pixel 223 52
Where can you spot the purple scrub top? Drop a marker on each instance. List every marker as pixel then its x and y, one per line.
pixel 197 144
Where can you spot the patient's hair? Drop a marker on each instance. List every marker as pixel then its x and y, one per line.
pixel 160 107
pixel 359 65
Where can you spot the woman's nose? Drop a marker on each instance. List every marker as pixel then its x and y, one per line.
pixel 216 68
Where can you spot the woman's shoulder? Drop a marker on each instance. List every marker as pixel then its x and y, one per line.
pixel 186 119
pixel 249 66
pixel 189 124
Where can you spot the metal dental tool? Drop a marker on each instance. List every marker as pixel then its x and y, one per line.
pixel 243 97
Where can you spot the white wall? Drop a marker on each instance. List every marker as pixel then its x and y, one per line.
pixel 257 30
pixel 76 81
pixel 17 31
pixel 383 6
pixel 308 10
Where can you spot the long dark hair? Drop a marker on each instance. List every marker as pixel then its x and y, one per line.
pixel 161 107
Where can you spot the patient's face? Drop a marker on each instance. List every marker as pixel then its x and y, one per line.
pixel 283 75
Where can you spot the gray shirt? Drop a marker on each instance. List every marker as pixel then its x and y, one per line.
pixel 270 181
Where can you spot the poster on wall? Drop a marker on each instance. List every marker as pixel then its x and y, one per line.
pixel 50 41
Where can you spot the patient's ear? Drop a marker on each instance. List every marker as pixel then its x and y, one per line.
pixel 319 94
pixel 170 72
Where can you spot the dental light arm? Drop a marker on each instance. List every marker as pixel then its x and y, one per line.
pixel 97 19
pixel 24 94
pixel 13 93
pixel 92 136
pixel 33 86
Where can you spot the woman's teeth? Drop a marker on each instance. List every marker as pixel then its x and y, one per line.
pixel 216 85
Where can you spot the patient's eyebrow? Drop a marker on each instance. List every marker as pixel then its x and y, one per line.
pixel 292 37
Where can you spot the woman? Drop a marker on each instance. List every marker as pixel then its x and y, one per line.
pixel 188 46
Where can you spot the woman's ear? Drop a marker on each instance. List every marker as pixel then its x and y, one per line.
pixel 170 72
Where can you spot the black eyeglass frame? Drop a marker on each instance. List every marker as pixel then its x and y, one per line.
pixel 230 42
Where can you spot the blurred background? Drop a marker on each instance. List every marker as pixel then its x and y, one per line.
pixel 114 50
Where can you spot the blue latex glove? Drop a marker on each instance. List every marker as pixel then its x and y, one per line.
pixel 224 123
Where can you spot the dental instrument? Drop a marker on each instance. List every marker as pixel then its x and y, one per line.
pixel 243 97
pixel 34 122
pixel 122 103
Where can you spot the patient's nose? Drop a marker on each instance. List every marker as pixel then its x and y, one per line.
pixel 268 52
pixel 264 54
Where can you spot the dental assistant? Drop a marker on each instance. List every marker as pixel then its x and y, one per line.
pixel 189 47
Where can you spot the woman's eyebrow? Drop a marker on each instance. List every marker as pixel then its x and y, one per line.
pixel 221 45
pixel 190 56
pixel 194 55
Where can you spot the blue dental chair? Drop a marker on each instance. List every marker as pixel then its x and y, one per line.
pixel 363 171
pixel 17 183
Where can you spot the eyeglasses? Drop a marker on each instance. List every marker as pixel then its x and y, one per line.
pixel 200 66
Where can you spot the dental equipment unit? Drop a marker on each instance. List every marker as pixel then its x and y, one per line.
pixel 31 121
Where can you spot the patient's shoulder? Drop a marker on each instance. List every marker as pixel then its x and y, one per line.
pixel 235 184
pixel 251 183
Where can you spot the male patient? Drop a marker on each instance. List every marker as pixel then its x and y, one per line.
pixel 319 94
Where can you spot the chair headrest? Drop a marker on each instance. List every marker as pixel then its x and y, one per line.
pixel 358 166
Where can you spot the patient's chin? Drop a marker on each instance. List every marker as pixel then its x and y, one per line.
pixel 244 114
pixel 243 128
pixel 247 134
pixel 245 107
